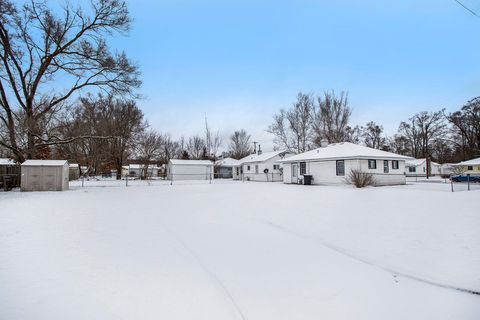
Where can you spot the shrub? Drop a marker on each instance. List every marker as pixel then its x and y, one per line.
pixel 360 179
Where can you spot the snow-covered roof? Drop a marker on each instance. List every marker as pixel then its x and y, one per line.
pixel 45 163
pixel 6 162
pixel 191 162
pixel 418 162
pixel 344 150
pixel 227 162
pixel 141 166
pixel 264 156
pixel 472 162
pixel 73 165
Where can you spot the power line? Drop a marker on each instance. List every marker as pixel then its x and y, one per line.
pixel 467 8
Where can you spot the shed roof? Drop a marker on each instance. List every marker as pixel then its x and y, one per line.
pixel 7 162
pixel 191 162
pixel 263 156
pixel 344 150
pixel 472 162
pixel 45 163
pixel 227 162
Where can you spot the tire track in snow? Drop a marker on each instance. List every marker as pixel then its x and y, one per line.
pixel 210 274
pixel 366 261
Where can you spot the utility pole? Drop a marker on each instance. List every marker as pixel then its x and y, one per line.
pixel 254 146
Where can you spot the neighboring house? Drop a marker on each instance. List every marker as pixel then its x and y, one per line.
pixel 224 168
pixel 45 175
pixel 138 170
pixel 331 163
pixel 73 171
pixel 471 166
pixel 418 168
pixel 261 166
pixel 9 174
pixel 447 169
pixel 189 169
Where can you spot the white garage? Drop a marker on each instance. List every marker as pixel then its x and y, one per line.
pixel 45 175
pixel 189 170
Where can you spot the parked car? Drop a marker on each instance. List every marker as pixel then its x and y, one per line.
pixel 465 178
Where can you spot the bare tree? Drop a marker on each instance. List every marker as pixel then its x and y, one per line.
pixel 148 149
pixel 240 145
pixel 372 135
pixel 118 119
pixel 466 126
pixel 409 131
pixel 293 128
pixel 431 126
pixel 332 118
pixel 196 147
pixel 170 149
pixel 38 48
pixel 213 141
pixel 399 144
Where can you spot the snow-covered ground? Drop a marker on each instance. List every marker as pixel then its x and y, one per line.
pixel 232 250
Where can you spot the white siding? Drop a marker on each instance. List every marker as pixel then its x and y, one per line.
pixel 275 175
pixel 190 172
pixel 45 178
pixel 325 172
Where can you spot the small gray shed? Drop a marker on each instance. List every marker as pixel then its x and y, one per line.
pixel 45 175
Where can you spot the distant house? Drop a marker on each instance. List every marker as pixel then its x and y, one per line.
pixel 447 169
pixel 418 168
pixel 261 166
pixel 45 175
pixel 138 170
pixel 331 163
pixel 9 174
pixel 189 169
pixel 471 166
pixel 73 171
pixel 224 168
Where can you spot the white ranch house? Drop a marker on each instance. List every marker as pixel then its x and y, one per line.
pixel 332 163
pixel 261 166
pixel 189 169
pixel 418 168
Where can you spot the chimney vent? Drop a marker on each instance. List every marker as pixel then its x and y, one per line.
pixel 259 152
pixel 323 143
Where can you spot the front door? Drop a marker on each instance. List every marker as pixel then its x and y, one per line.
pixel 294 173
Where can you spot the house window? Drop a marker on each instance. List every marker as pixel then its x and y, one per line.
pixel 395 164
pixel 372 164
pixel 340 167
pixel 238 170
pixel 294 170
pixel 276 167
pixel 469 167
pixel 303 168
pixel 412 169
pixel 256 169
pixel 385 166
pixel 248 168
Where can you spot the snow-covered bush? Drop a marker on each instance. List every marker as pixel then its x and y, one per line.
pixel 360 178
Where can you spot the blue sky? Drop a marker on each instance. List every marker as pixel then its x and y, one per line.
pixel 239 62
